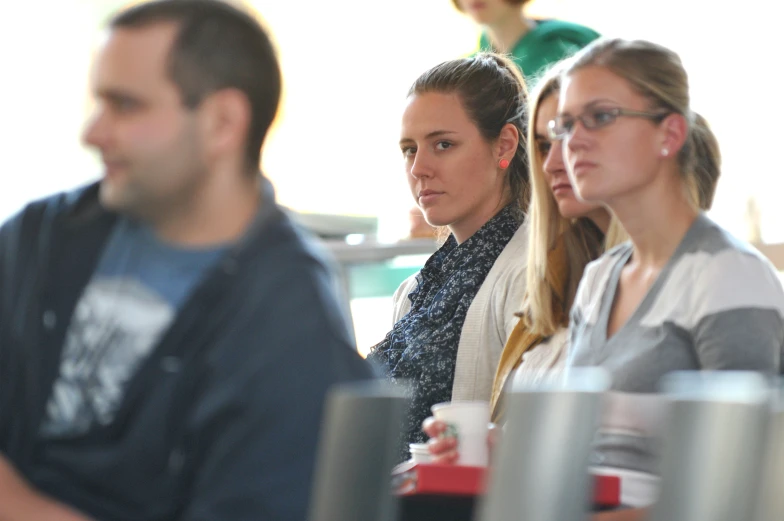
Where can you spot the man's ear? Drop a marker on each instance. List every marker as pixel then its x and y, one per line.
pixel 224 122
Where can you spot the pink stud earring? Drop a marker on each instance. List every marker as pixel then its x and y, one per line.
pixel 504 163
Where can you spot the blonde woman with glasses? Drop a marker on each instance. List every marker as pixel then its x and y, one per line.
pixel 682 294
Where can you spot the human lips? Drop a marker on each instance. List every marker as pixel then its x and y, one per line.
pixel 581 167
pixel 428 196
pixel 561 188
pixel 112 167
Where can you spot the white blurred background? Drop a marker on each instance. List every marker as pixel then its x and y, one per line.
pixel 347 65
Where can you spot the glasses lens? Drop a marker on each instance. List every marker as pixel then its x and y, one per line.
pixel 599 117
pixel 560 127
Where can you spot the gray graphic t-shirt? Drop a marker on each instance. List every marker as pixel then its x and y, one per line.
pixel 133 296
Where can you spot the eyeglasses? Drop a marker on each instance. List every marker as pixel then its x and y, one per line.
pixel 596 117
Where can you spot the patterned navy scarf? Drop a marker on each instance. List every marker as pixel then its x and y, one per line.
pixel 421 349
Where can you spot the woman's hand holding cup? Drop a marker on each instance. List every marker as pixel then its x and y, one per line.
pixel 442 447
pixel 458 433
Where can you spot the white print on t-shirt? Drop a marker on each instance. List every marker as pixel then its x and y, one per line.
pixel 115 326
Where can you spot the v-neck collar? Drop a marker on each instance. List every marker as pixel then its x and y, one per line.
pixel 700 223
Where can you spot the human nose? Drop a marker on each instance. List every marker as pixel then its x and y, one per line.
pixel 420 165
pixel 578 134
pixel 553 161
pixel 96 133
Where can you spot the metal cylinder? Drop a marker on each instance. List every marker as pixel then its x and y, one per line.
pixel 771 505
pixel 540 467
pixel 713 446
pixel 357 451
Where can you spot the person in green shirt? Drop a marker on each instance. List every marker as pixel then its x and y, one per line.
pixel 532 44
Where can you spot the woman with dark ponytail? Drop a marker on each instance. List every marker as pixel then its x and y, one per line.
pixel 464 149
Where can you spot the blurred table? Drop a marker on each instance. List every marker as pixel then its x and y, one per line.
pixel 370 269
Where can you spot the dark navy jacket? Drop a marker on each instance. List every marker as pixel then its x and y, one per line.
pixel 222 420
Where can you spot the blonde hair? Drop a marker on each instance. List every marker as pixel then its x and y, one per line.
pixel 657 73
pixel 543 311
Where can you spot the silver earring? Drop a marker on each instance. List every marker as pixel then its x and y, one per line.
pixel 665 152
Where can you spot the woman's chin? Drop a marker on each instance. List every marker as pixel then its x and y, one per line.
pixel 435 220
pixel 574 209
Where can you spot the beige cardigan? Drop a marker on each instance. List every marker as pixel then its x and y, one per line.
pixel 489 321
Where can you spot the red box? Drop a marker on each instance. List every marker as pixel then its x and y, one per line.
pixel 429 478
pixel 415 479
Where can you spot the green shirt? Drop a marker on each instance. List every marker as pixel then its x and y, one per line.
pixel 547 43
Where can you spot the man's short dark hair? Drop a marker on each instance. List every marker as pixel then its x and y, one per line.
pixel 217 46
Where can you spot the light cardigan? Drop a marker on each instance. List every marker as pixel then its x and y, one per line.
pixel 523 341
pixel 489 321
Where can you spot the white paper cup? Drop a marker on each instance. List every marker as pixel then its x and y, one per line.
pixel 420 453
pixel 468 423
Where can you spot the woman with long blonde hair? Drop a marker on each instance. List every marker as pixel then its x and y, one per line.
pixel 565 234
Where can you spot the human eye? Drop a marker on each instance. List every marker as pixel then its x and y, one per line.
pixel 124 104
pixel 602 116
pixel 443 145
pixel 560 127
pixel 543 146
pixel 408 151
